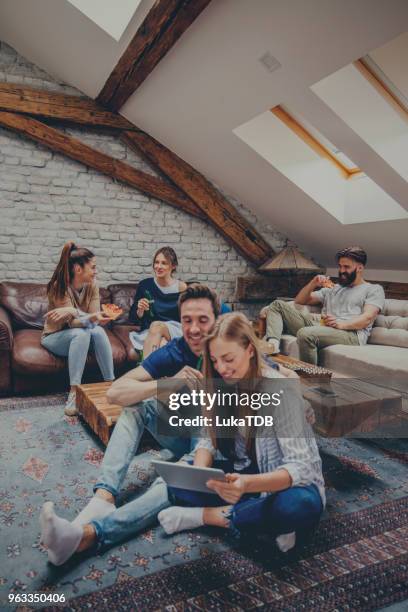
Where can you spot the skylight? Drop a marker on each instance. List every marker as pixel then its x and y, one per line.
pixel 110 15
pixel 314 139
pixel 372 103
pixel 350 199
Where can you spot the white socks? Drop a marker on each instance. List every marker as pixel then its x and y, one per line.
pixel 178 518
pixel 61 537
pixel 286 541
pixel 96 508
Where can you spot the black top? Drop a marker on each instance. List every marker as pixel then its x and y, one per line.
pixel 164 307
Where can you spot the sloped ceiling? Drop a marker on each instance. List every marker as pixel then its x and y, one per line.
pixel 212 81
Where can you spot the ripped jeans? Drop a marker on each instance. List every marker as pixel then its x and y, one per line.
pixel 295 509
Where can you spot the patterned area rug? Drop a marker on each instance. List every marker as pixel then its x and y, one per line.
pixel 357 560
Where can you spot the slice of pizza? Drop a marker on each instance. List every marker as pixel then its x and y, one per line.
pixel 328 283
pixel 112 311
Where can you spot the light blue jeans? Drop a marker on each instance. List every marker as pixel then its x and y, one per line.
pixel 294 509
pixel 75 343
pixel 141 512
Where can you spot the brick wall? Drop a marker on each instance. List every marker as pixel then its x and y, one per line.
pixel 46 199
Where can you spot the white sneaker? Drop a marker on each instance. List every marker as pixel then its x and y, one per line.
pixel 70 406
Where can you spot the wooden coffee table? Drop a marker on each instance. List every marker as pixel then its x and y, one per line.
pixel 95 410
pixel 347 405
pixel 343 405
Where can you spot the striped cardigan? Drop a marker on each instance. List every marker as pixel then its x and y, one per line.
pixel 290 444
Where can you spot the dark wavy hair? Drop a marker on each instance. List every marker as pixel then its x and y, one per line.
pixel 356 253
pixel 197 291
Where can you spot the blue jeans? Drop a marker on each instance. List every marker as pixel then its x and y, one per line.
pixel 135 516
pixel 125 441
pixel 75 343
pixel 142 512
pixel 295 509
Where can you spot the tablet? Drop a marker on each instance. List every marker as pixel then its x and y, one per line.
pixel 185 476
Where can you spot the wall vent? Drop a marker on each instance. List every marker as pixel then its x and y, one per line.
pixel 269 62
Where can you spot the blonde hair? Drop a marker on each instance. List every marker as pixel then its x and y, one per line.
pixel 233 327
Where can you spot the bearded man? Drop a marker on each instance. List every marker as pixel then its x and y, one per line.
pixel 349 309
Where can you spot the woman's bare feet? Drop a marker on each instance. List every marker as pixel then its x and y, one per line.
pixel 216 516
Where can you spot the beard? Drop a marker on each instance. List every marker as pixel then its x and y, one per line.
pixel 347 278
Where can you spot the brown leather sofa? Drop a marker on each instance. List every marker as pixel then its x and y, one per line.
pixel 27 367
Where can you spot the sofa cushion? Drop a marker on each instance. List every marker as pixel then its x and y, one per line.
pixel 396 308
pixel 390 336
pixel 289 346
pixel 104 295
pixel 391 326
pixel 383 365
pixel 27 303
pixel 29 357
pixel 122 295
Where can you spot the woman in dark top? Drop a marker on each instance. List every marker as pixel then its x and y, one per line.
pixel 155 306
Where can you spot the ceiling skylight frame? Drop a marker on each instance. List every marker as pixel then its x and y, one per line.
pixel 297 128
pixel 376 77
pixel 290 152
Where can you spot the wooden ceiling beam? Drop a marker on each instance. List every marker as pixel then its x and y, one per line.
pixel 115 168
pixel 163 26
pixel 50 105
pixel 220 213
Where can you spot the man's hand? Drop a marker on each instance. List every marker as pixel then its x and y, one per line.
pixel 319 280
pixel 142 306
pixel 331 321
pixel 232 490
pixel 190 377
pixel 102 319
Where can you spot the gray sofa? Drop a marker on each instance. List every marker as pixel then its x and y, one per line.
pixel 384 360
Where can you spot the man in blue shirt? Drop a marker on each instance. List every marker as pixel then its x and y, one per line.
pixel 178 362
pixel 138 391
pixel 100 522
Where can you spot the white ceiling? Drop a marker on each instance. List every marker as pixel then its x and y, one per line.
pixel 391 58
pixel 113 17
pixel 211 82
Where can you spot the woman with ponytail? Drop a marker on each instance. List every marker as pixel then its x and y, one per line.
pixel 74 318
